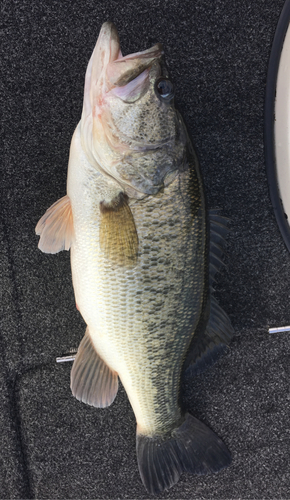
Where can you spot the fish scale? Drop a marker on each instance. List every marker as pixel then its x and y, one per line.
pixel 111 293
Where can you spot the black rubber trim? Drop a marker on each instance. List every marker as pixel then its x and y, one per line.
pixel 270 156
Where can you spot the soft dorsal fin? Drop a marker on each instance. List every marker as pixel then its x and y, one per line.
pixel 211 339
pixel 218 233
pixel 55 227
pixel 92 381
pixel 215 331
pixel 118 235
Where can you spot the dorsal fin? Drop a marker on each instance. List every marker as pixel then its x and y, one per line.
pixel 55 227
pixel 210 341
pixel 218 233
pixel 215 331
pixel 92 381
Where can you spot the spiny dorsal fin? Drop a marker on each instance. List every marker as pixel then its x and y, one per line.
pixel 218 233
pixel 92 381
pixel 211 340
pixel 55 227
pixel 118 235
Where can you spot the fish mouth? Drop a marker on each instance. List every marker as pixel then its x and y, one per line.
pixel 111 75
pixel 109 70
pixel 122 70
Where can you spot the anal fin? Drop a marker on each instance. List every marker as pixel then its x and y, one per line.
pixel 55 227
pixel 92 381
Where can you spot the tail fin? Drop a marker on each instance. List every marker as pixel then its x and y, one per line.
pixel 192 447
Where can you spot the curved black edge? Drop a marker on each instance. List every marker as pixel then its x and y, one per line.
pixel 269 144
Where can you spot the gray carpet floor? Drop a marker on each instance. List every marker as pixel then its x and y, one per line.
pixel 217 52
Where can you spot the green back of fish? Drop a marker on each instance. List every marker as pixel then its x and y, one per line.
pixel 172 271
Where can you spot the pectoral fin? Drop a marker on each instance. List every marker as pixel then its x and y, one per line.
pixel 55 227
pixel 118 235
pixel 92 381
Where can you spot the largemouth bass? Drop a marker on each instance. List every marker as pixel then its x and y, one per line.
pixel 144 253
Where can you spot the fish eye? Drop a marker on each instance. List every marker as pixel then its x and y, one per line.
pixel 164 89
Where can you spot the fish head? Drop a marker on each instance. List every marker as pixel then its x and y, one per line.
pixel 130 130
